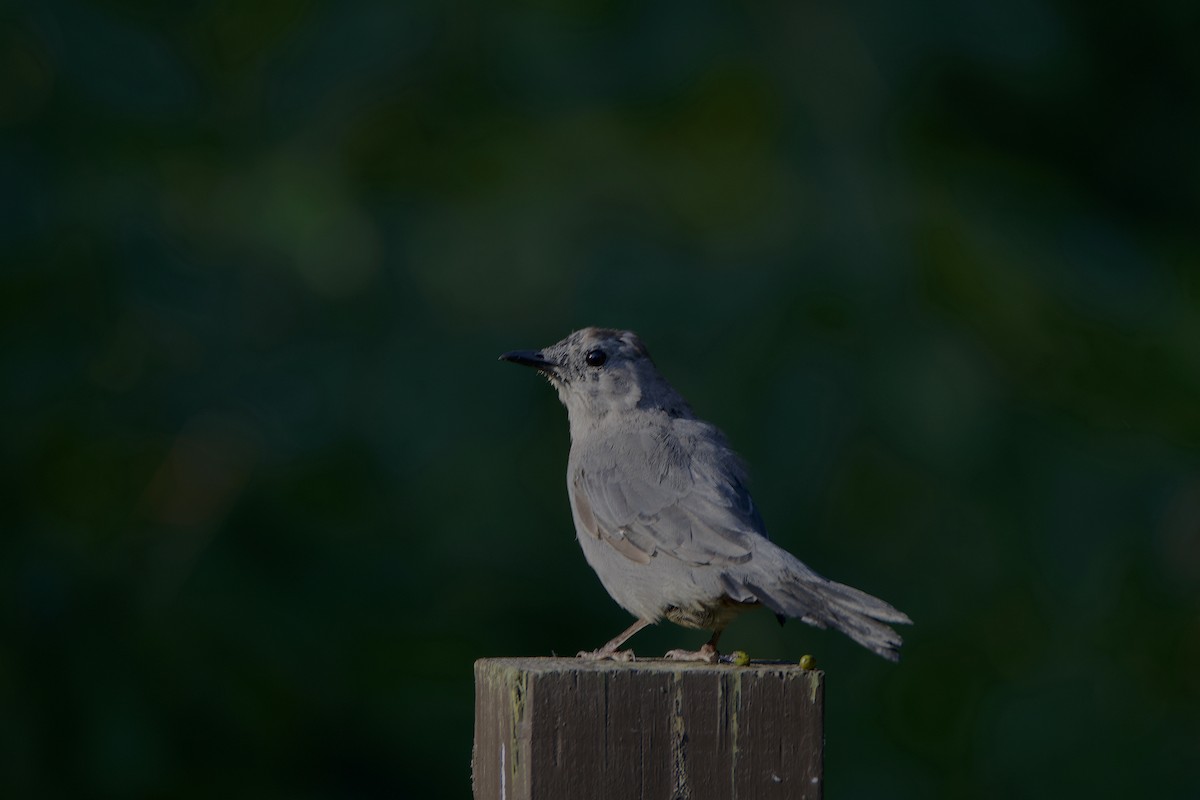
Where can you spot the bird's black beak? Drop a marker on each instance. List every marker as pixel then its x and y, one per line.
pixel 531 358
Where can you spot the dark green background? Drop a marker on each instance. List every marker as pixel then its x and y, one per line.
pixel 934 268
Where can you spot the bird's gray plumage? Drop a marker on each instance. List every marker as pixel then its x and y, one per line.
pixel 661 507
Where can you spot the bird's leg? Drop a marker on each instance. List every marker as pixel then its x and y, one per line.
pixel 707 653
pixel 610 651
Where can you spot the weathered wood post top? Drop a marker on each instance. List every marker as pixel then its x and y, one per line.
pixel 551 728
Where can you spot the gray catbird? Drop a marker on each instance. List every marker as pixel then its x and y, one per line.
pixel 662 511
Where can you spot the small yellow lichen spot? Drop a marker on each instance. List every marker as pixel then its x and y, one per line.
pixel 740 657
pixel 807 662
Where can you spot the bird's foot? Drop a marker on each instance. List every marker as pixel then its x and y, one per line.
pixel 605 654
pixel 707 654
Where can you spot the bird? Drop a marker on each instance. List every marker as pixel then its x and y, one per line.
pixel 663 514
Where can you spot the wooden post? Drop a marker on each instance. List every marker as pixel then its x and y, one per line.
pixel 554 728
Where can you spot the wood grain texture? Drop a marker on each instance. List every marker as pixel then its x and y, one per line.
pixel 548 728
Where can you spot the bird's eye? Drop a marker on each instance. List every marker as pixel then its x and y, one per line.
pixel 595 358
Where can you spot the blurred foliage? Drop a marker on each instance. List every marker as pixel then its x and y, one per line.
pixel 933 268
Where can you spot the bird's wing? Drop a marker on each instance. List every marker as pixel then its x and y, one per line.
pixel 649 495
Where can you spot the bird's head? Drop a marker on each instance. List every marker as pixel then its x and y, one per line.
pixel 601 371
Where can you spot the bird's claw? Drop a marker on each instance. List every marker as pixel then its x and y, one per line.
pixel 706 654
pixel 603 655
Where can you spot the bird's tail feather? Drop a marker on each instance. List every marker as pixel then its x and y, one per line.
pixel 797 591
